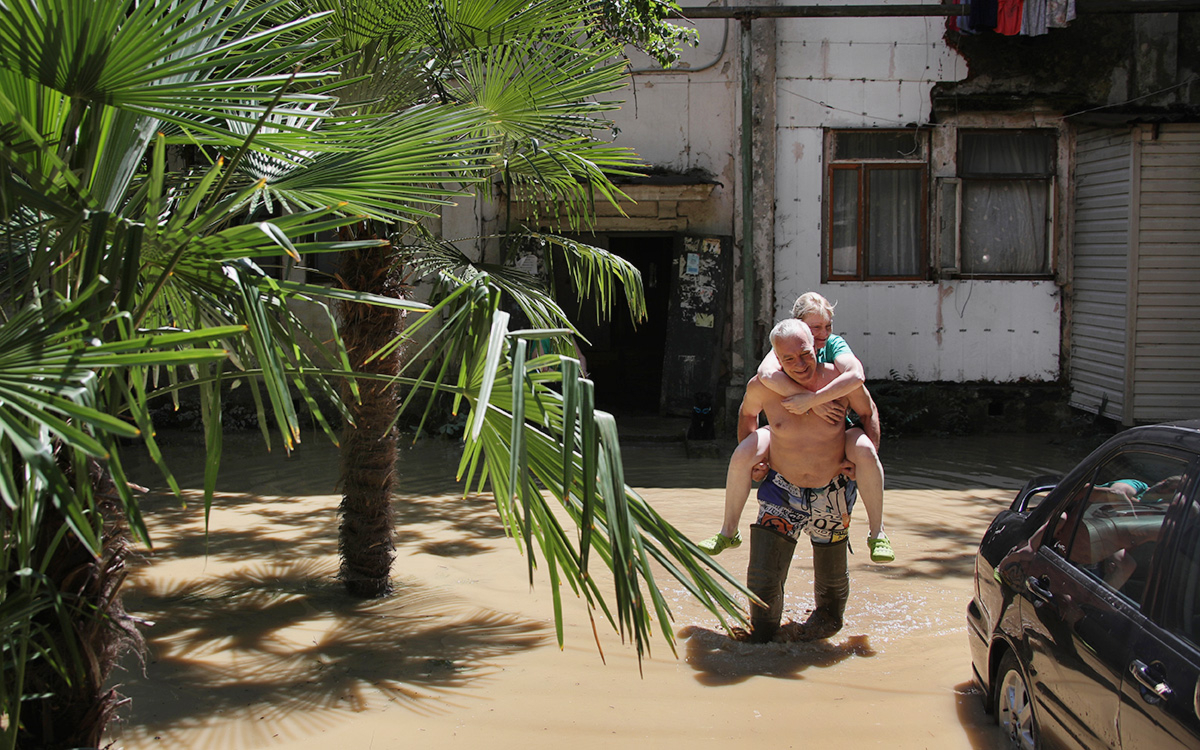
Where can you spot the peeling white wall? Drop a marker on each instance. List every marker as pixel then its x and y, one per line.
pixel 687 117
pixel 854 73
pixel 957 331
pixel 679 119
pixel 832 73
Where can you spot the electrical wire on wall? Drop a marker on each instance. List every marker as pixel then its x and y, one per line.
pixel 1188 82
pixel 657 70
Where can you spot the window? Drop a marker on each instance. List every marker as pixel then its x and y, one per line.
pixel 1004 213
pixel 1111 526
pixel 876 196
pixel 1183 612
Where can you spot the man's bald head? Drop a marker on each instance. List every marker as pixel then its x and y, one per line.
pixel 790 328
pixel 792 341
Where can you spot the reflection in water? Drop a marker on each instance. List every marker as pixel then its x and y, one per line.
pixel 314 467
pixel 1004 461
pixel 427 467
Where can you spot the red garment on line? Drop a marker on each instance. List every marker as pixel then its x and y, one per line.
pixel 1008 17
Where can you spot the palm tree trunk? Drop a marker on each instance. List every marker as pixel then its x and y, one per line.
pixel 369 442
pixel 75 713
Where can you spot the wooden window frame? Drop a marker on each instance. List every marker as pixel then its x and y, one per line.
pixel 863 167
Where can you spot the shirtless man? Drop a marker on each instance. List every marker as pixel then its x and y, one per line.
pixel 750 460
pixel 805 491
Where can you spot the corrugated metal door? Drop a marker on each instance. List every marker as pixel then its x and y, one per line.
pixel 1102 232
pixel 1166 279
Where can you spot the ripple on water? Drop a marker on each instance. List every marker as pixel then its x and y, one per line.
pixel 899 615
pixel 887 618
pixel 1004 461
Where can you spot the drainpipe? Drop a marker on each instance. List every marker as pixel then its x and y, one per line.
pixel 749 360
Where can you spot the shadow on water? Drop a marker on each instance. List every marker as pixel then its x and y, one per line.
pixel 174 533
pixel 667 466
pixel 1003 461
pixel 980 726
pixel 720 660
pixel 947 545
pixel 307 646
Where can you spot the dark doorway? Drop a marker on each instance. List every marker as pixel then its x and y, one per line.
pixel 624 359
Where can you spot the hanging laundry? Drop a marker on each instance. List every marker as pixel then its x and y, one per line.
pixel 1033 19
pixel 1008 17
pixel 983 14
pixel 1060 13
pixel 963 23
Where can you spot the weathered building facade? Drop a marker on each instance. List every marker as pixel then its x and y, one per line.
pixel 1126 85
pixel 981 207
pixel 1135 352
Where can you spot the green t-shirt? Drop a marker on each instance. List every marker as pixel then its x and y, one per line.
pixel 835 346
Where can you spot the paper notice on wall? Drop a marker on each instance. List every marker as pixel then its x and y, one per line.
pixel 712 245
pixel 527 264
pixel 704 320
pixel 693 264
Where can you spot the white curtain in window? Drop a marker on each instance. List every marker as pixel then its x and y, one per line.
pixel 843 240
pixel 1004 226
pixel 894 222
pixel 1005 202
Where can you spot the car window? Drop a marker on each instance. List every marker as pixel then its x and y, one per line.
pixel 1183 606
pixel 1110 526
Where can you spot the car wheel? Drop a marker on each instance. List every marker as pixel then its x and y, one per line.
pixel 1014 705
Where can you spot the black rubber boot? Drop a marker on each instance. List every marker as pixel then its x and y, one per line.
pixel 831 589
pixel 770 556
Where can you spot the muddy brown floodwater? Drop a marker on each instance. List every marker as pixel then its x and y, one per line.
pixel 254 645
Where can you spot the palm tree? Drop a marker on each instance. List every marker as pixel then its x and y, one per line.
pixel 61 621
pixel 369 439
pixel 128 277
pixel 511 86
pixel 532 73
pixel 117 274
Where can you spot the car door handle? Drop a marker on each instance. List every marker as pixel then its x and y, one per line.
pixel 1142 673
pixel 1038 589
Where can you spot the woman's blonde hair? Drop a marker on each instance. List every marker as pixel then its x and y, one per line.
pixel 811 302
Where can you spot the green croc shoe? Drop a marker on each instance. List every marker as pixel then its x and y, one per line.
pixel 715 545
pixel 881 549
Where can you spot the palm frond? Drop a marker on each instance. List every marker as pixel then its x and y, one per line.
pixel 401 168
pixel 516 434
pixel 523 437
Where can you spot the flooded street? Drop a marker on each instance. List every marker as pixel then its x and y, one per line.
pixel 254 644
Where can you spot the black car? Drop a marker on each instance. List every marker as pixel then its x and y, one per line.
pixel 1085 626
